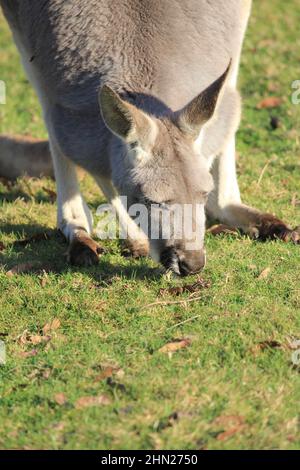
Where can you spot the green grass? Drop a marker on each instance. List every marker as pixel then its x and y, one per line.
pixel 223 372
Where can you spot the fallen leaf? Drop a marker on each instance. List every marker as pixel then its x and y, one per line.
pixel 36 339
pixel 220 229
pixel 60 398
pixel 264 274
pixel 175 345
pixel 191 288
pixel 31 353
pixel 231 424
pixel 27 338
pixel 106 373
pixel 271 102
pixel 22 339
pixel 40 374
pixel 55 324
pixel 85 402
pixel 51 326
pixel 230 432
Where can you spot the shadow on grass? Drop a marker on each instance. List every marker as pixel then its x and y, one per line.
pixel 44 249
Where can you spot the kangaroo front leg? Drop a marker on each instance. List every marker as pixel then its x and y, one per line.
pixel 225 204
pixel 73 215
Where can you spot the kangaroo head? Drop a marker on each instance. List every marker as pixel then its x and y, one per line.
pixel 156 165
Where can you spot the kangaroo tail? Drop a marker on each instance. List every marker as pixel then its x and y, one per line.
pixel 21 155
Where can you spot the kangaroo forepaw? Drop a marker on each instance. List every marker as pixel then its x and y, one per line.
pixel 136 248
pixel 83 250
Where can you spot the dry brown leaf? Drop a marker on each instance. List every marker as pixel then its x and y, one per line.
pixel 230 432
pixel 27 338
pixel 105 374
pixel 23 338
pixel 46 328
pixel 265 273
pixel 55 324
pixel 175 345
pixel 231 424
pixel 220 229
pixel 36 339
pixel 26 354
pixel 51 326
pixel 85 402
pixel 228 420
pixel 39 373
pixel 60 398
pixel 270 102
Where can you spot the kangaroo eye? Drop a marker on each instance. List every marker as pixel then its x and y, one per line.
pixel 162 204
pixel 133 145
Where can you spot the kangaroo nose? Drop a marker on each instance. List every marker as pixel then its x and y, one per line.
pixel 183 263
pixel 192 262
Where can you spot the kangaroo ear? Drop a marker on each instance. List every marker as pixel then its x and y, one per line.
pixel 126 120
pixel 191 118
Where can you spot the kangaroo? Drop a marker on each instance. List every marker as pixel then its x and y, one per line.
pixel 143 95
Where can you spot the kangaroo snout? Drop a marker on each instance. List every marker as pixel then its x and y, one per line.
pixel 183 263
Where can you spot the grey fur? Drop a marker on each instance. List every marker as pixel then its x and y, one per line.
pixel 158 55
